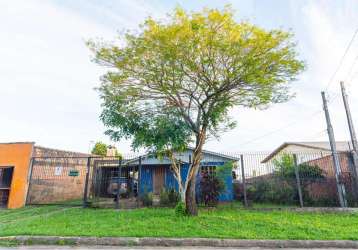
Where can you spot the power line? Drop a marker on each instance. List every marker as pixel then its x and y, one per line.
pixel 349 73
pixel 316 112
pixel 334 97
pixel 351 69
pixel 342 59
pixel 316 135
pixel 282 128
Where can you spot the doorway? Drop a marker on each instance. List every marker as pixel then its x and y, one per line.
pixel 158 179
pixel 5 184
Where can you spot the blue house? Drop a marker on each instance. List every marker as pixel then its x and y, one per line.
pixel 154 174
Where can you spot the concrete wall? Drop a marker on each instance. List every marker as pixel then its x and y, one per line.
pixel 51 182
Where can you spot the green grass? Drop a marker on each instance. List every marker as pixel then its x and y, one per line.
pixel 227 221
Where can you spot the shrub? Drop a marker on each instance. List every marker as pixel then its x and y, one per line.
pixel 273 190
pixel 180 209
pixel 147 199
pixel 210 188
pixel 174 196
pixel 164 198
pixel 238 190
pixel 169 198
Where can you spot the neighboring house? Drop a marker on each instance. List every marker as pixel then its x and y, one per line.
pixel 319 154
pixel 16 168
pixel 309 148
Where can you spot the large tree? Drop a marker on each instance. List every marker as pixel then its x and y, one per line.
pixel 201 65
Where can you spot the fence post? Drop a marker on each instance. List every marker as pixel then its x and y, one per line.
pixel 139 176
pixel 298 181
pixel 243 180
pixel 85 191
pixel 118 183
pixel 30 180
pixel 354 171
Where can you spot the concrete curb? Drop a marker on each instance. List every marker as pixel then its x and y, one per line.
pixel 172 242
pixel 305 209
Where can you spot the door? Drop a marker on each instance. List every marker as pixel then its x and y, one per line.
pixel 5 184
pixel 158 179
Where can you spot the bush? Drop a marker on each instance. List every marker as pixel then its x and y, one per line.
pixel 272 190
pixel 147 199
pixel 174 196
pixel 238 189
pixel 210 188
pixel 180 209
pixel 164 198
pixel 169 198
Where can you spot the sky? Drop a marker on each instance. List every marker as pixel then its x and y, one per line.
pixel 47 79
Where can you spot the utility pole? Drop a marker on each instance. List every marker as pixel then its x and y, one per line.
pixel 349 118
pixel 353 137
pixel 340 187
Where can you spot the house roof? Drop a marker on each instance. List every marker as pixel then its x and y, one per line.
pixel 20 142
pixel 205 152
pixel 342 146
pixel 229 157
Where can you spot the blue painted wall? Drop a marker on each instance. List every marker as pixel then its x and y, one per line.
pixel 146 179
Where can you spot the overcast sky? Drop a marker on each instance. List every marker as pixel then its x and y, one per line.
pixel 47 79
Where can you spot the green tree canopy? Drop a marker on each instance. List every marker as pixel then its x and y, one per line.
pixel 199 66
pixel 285 167
pixel 99 148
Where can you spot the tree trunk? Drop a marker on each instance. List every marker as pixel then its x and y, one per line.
pixel 190 201
pixel 177 175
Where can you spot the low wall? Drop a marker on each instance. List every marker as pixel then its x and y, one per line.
pixel 52 179
pixel 52 191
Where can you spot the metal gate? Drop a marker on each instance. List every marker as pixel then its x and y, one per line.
pixel 82 181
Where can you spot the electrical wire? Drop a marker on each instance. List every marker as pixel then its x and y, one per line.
pixel 341 60
pixel 281 128
pixel 327 87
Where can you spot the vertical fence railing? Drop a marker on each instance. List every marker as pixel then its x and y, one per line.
pixel 85 191
pixel 298 181
pixel 309 179
pixel 243 179
pixel 29 181
pixel 118 183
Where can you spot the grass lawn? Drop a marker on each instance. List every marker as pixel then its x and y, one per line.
pixel 223 222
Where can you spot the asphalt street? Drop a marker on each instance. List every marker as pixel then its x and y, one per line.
pixel 127 248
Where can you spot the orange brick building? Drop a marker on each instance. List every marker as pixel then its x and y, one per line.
pixel 15 171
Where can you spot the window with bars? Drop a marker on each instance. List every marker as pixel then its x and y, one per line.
pixel 5 177
pixel 210 170
pixel 5 183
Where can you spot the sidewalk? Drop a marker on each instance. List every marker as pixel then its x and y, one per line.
pixel 177 242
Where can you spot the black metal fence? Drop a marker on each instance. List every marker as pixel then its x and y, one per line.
pixel 82 181
pixel 295 179
pixel 259 179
